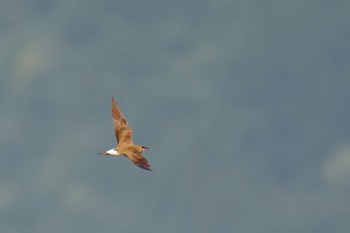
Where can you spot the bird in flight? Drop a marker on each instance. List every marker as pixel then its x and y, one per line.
pixel 125 146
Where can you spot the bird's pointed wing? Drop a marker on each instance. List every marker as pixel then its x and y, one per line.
pixel 123 132
pixel 139 161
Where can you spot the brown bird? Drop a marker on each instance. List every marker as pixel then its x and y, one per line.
pixel 125 145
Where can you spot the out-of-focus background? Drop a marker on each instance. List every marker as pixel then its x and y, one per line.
pixel 244 105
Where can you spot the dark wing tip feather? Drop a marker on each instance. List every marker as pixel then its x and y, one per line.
pixel 143 163
pixel 120 123
pixel 139 161
pixel 117 115
pixel 144 166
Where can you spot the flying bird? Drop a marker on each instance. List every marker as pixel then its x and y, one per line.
pixel 125 146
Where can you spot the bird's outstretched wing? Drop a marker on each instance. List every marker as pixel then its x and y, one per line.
pixel 139 161
pixel 123 132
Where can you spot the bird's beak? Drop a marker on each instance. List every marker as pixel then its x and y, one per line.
pixel 102 153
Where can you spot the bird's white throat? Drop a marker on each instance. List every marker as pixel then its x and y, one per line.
pixel 113 152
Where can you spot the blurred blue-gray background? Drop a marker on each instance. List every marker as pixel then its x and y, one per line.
pixel 243 103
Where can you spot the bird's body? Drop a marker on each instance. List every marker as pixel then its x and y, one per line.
pixel 125 146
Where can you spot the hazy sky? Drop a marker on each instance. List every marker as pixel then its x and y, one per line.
pixel 244 105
